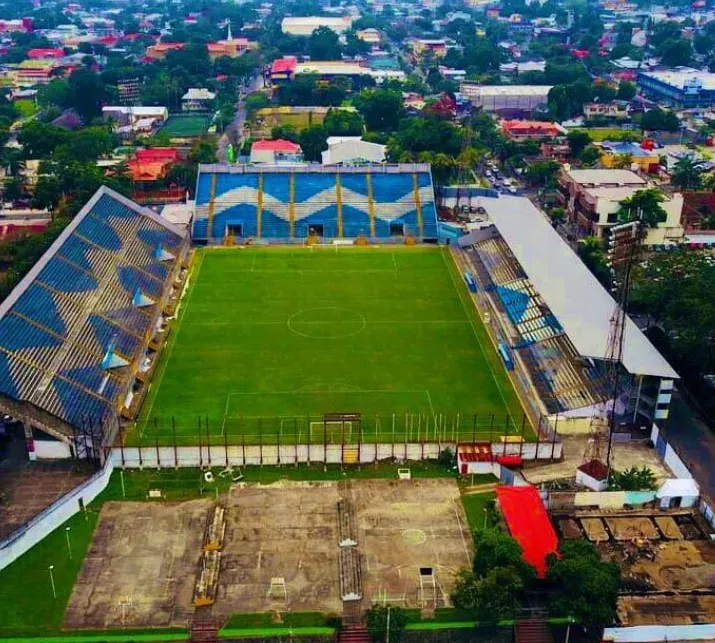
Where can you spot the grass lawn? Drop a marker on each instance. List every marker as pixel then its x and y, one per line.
pixel 270 339
pixel 26 107
pixel 475 505
pixel 186 125
pixel 612 133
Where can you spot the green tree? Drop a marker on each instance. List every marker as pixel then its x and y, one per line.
pixel 39 140
pixel 542 173
pixel 688 173
pixel 578 140
pixel 492 598
pixel 660 120
pixel 592 252
pixel 676 53
pixel 378 618
pixel 256 101
pixel 55 93
pixel 313 141
pixel 87 93
pixel 626 90
pixel 381 108
pixel 645 206
pixel 494 548
pixel 585 588
pixel 324 44
pixel 343 122
pixel 633 479
pixel 204 151
pixel 48 192
pixel 675 290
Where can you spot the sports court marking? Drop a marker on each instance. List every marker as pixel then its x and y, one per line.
pixel 359 319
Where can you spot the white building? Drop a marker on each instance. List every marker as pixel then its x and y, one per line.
pixel 352 150
pixel 305 26
pixel 506 98
pixel 129 115
pixel 197 100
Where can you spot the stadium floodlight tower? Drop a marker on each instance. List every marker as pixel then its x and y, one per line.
pixel 624 246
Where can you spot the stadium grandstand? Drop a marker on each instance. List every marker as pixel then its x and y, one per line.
pixel 78 333
pixel 294 203
pixel 554 317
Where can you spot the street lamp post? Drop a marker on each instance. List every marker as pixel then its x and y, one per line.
pixel 52 581
pixel 69 547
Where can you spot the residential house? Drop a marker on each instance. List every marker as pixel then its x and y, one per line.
pixel 197 100
pixel 531 130
pixel 150 165
pixel 616 109
pixel 616 154
pixel 437 47
pixel 276 151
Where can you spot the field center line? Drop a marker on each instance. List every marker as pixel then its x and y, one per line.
pixel 474 330
pixel 157 383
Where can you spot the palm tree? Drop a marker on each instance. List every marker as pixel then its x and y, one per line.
pixel 645 206
pixel 688 173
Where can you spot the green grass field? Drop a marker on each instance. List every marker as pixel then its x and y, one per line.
pixel 186 125
pixel 269 339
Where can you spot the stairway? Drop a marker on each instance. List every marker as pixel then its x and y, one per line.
pixel 351 455
pixel 354 634
pixel 532 630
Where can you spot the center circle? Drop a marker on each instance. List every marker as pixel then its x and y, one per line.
pixel 326 322
pixel 413 537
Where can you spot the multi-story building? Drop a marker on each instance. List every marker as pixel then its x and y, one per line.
pixel 437 47
pixel 615 153
pixel 683 87
pixel 617 109
pixel 286 69
pixel 197 100
pixel 592 199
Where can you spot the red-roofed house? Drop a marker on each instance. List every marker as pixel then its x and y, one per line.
pixel 151 164
pixel 524 130
pixel 40 53
pixel 529 524
pixel 161 49
pixel 276 151
pixel 283 68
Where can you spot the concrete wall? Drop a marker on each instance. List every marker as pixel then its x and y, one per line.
pixel 654 633
pixel 53 517
pixel 183 456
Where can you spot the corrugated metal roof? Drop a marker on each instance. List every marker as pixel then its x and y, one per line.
pixel 581 304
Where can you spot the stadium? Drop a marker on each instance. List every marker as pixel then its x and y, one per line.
pixel 314 315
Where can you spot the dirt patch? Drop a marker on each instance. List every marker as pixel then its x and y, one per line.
pixel 141 566
pixel 284 531
pixel 668 527
pixel 595 530
pixel 665 610
pixel 404 527
pixel 628 528
pixel 570 529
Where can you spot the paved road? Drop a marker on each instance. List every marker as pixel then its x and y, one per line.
pixel 694 442
pixel 233 131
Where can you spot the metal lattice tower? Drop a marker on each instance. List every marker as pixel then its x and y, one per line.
pixel 623 252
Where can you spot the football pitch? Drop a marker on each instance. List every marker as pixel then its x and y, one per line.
pixel 179 125
pixel 269 340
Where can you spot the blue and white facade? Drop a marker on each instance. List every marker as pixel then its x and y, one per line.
pixel 682 88
pixel 75 330
pixel 290 203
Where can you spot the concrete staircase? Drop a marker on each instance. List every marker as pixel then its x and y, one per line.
pixel 532 630
pixel 354 634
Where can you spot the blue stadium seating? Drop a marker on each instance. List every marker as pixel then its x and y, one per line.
pixel 62 322
pixel 315 201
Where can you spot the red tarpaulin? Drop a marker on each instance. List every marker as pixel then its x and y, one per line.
pixel 529 524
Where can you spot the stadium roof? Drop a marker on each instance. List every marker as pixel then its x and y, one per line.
pixel 529 524
pixel 580 303
pixel 82 313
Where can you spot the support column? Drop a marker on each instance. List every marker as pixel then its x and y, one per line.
pixel 212 204
pixel 339 204
pixel 291 206
pixel 259 206
pixel 370 204
pixel 418 204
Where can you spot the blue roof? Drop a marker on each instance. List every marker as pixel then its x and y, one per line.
pixel 619 147
pixel 75 306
